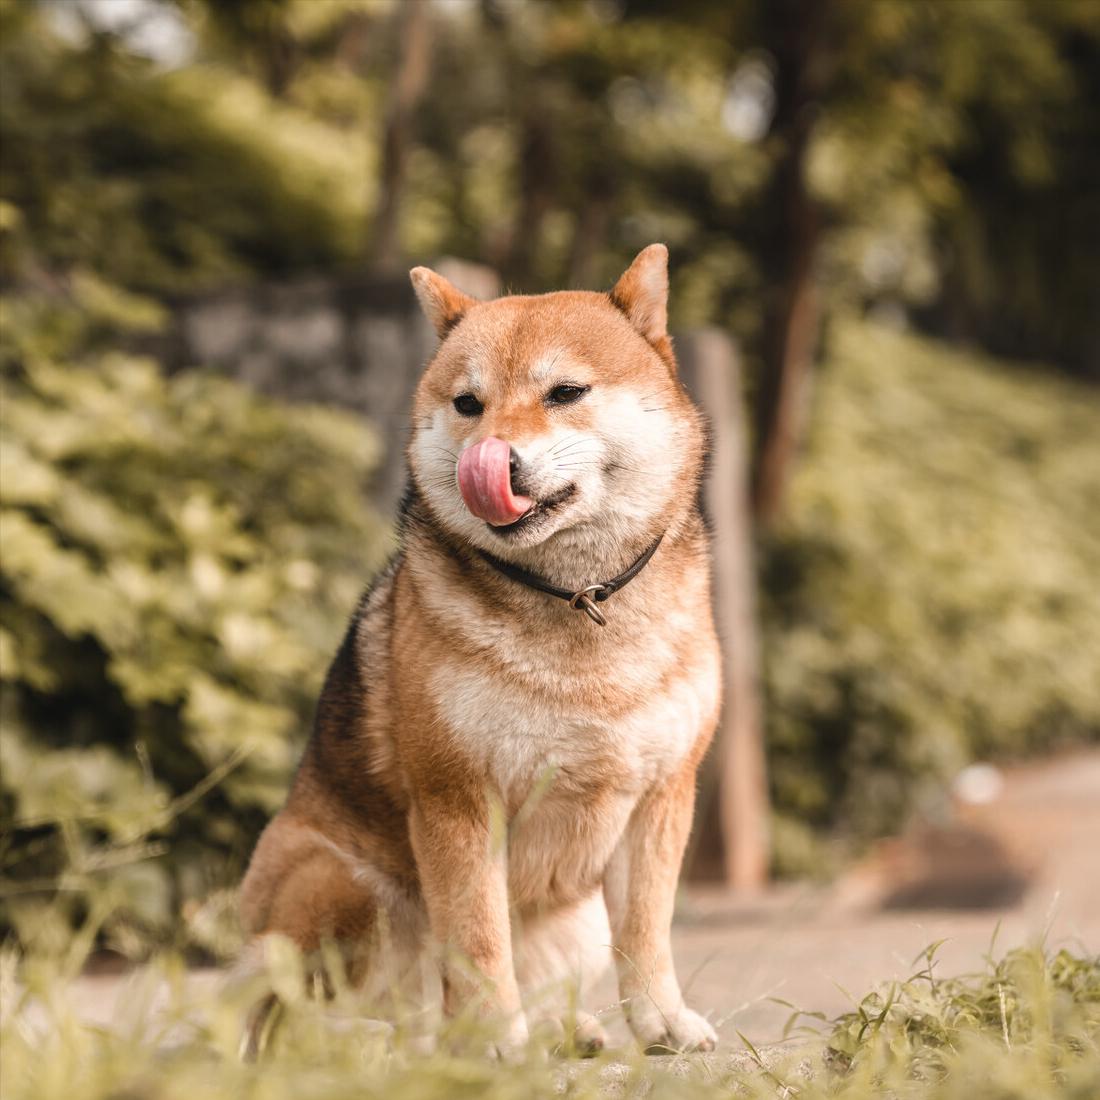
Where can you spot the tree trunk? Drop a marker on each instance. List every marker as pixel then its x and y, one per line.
pixel 791 324
pixel 537 188
pixel 408 86
pixel 590 235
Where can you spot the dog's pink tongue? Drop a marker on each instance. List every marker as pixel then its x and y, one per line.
pixel 485 481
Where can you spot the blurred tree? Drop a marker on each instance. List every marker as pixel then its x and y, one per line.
pixel 257 31
pixel 1018 248
pixel 849 152
pixel 795 35
pixel 894 153
pixel 406 88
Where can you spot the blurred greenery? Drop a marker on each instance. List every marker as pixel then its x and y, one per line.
pixel 931 598
pixel 949 155
pixel 161 181
pixel 179 555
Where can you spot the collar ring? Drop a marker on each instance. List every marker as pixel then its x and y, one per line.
pixel 584 600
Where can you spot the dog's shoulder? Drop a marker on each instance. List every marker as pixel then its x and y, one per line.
pixel 345 758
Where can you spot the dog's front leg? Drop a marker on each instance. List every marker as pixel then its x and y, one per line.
pixel 463 874
pixel 640 888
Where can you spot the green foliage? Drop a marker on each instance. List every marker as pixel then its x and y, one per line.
pixel 933 597
pixel 581 138
pixel 1024 174
pixel 951 151
pixel 910 104
pixel 178 556
pixel 1028 1025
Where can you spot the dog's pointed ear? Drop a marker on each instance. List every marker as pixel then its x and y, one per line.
pixel 642 294
pixel 443 304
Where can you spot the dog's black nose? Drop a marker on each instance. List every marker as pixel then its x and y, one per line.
pixel 518 476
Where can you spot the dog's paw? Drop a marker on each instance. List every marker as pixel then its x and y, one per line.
pixel 589 1037
pixel 510 1045
pixel 676 1032
pixel 579 1036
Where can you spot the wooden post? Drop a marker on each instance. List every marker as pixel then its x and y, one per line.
pixel 732 821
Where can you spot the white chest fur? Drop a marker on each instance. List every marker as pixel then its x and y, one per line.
pixel 518 732
pixel 569 776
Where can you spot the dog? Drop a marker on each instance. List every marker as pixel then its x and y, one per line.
pixel 503 763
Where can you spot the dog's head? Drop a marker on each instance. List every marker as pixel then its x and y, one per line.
pixel 553 413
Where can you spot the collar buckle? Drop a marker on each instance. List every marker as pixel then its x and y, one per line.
pixel 584 600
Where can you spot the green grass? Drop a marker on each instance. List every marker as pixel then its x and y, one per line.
pixel 1027 1026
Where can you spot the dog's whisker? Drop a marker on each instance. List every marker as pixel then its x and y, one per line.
pixel 569 443
pixel 624 466
pixel 558 447
pixel 573 451
pixel 566 439
pixel 577 454
pixel 441 479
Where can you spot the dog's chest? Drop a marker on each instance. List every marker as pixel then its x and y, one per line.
pixel 568 772
pixel 522 732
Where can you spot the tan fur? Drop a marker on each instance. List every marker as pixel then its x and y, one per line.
pixel 487 763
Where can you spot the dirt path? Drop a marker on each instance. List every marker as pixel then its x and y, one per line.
pixel 1039 839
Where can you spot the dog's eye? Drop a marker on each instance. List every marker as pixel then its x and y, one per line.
pixel 468 405
pixel 566 394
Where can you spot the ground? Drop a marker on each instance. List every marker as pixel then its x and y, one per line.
pixel 1039 840
pixel 1034 852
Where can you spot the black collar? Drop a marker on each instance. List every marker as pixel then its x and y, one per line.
pixel 586 598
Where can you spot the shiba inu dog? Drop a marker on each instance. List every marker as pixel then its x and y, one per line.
pixel 504 756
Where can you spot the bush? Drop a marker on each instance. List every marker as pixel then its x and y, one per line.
pixel 933 597
pixel 178 558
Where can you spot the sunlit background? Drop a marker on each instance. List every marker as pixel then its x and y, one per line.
pixel 207 209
